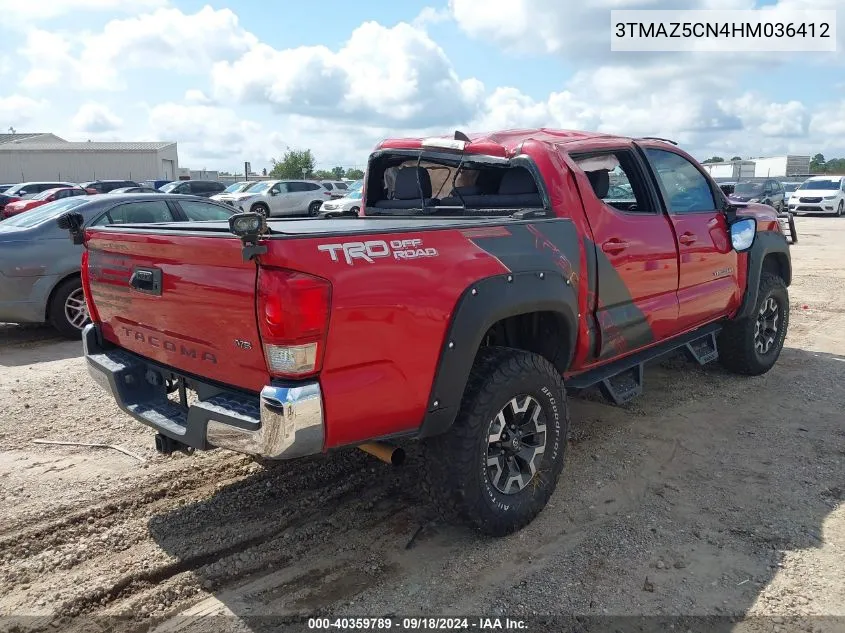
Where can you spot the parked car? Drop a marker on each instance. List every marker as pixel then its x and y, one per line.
pixel 347 206
pixel 155 184
pixel 203 188
pixel 819 194
pixel 138 189
pixel 39 265
pixel 768 191
pixel 279 198
pixel 50 195
pixel 29 189
pixel 237 187
pixel 789 188
pixel 105 186
pixel 468 314
pixel 4 200
pixel 337 188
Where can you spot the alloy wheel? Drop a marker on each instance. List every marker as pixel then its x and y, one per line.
pixel 766 328
pixel 516 443
pixel 76 310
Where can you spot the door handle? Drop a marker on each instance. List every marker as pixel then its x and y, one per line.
pixel 614 246
pixel 687 238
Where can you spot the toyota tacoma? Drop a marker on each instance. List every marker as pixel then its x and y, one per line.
pixel 484 277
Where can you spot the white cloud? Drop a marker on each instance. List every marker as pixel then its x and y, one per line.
pixel 165 39
pixel 197 97
pixel 18 110
pixel 210 134
pixel 17 10
pixel 95 118
pixel 430 15
pixel 397 75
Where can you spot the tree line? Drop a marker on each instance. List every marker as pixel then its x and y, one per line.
pixel 300 163
pixel 818 164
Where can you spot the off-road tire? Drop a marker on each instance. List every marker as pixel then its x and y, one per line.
pixel 260 207
pixel 314 208
pixel 456 472
pixel 736 341
pixel 56 316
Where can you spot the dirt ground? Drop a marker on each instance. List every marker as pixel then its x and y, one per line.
pixel 710 495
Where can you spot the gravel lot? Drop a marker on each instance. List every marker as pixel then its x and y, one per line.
pixel 710 495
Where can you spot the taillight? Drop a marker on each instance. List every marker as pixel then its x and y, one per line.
pixel 328 193
pixel 293 317
pixel 86 288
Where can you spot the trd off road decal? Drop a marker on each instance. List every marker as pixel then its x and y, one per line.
pixel 402 250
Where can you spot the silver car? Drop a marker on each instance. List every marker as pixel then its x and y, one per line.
pixel 39 264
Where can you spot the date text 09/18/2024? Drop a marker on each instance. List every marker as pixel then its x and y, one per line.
pixel 418 624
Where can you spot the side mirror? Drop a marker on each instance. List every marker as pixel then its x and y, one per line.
pixel 743 233
pixel 72 221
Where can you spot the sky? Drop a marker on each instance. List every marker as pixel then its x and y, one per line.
pixel 248 80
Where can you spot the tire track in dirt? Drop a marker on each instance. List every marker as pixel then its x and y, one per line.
pixel 247 525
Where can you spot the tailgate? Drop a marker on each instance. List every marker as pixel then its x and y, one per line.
pixel 185 301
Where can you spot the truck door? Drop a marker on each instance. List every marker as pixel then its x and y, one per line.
pixel 636 255
pixel 708 286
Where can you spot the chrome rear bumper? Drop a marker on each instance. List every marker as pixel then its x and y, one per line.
pixel 283 422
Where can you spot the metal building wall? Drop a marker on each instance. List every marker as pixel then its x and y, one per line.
pixel 17 165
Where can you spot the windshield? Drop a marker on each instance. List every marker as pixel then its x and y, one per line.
pixel 258 187
pixel 235 188
pixel 820 185
pixel 790 186
pixel 748 188
pixel 354 195
pixel 43 213
pixel 170 186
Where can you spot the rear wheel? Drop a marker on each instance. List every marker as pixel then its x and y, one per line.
pixel 498 465
pixel 314 208
pixel 752 345
pixel 261 208
pixel 68 312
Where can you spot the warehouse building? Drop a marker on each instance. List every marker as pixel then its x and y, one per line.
pixel 44 156
pixel 775 167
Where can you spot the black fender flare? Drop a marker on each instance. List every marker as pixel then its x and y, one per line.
pixel 479 307
pixel 765 243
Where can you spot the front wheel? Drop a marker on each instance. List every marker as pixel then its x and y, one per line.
pixel 841 210
pixel 498 465
pixel 68 312
pixel 752 345
pixel 261 208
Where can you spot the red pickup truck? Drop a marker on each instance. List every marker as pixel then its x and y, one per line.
pixel 483 275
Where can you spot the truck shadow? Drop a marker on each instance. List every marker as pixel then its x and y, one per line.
pixel 692 502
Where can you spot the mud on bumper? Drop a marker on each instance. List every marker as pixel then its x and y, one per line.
pixel 282 422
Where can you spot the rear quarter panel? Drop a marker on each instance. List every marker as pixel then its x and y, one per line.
pixel 388 322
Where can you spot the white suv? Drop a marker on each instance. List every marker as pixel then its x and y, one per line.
pixel 819 194
pixel 279 197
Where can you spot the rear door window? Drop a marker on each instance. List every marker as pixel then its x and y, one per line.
pixel 201 211
pixel 136 212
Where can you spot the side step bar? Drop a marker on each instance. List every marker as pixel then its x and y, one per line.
pixel 622 380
